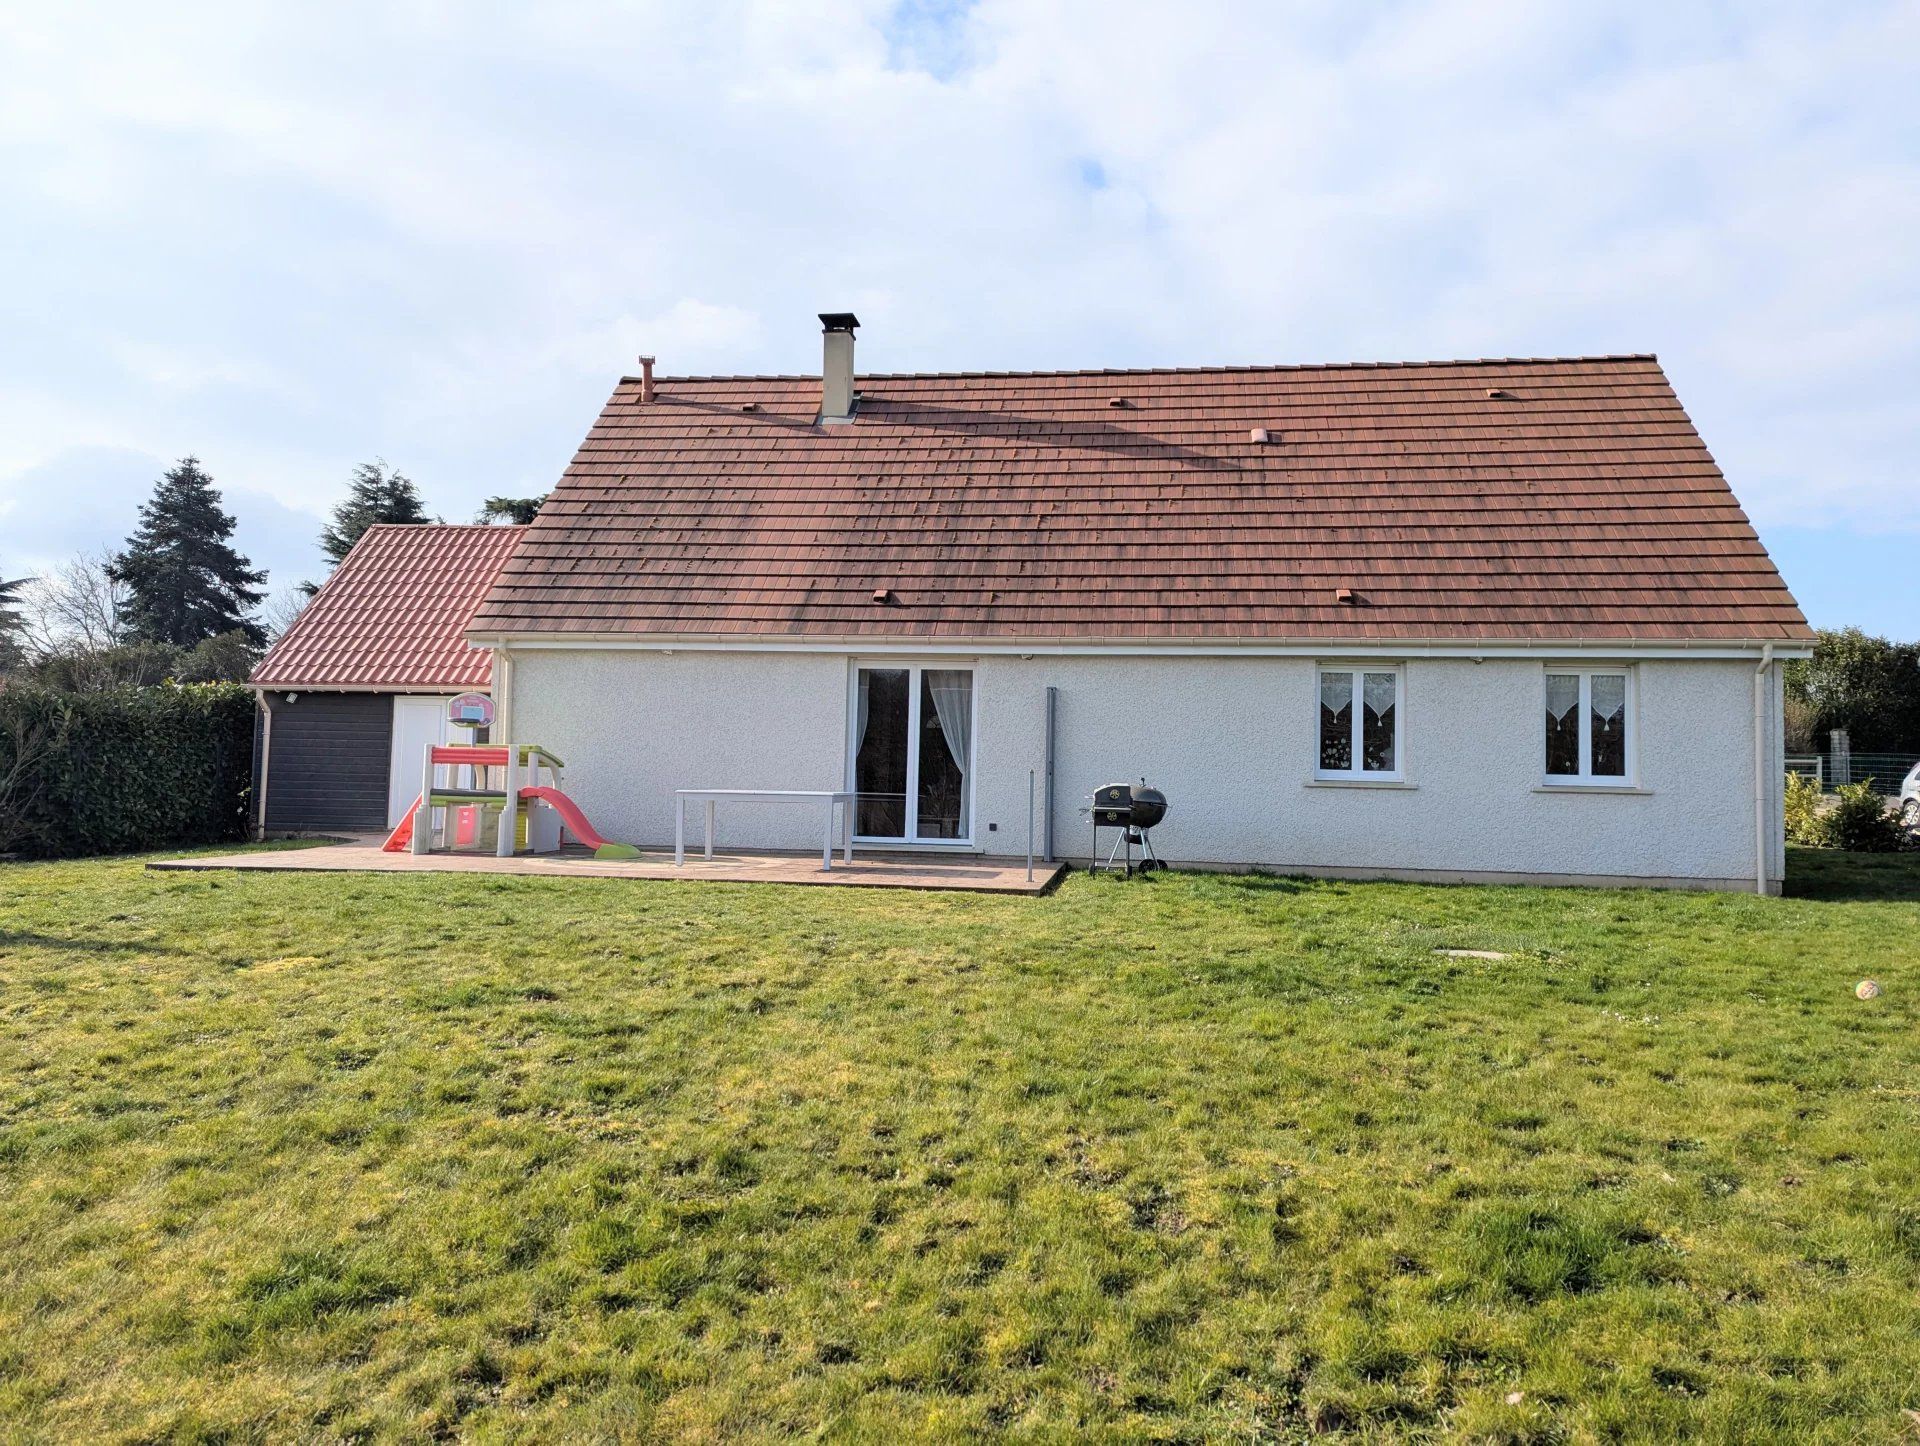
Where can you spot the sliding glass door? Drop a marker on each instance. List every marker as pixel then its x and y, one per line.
pixel 913 754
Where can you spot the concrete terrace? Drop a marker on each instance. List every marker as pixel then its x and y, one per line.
pixel 968 874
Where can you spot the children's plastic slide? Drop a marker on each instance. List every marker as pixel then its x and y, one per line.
pixel 402 834
pixel 571 819
pixel 575 823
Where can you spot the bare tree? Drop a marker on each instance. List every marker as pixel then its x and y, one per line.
pixel 277 614
pixel 75 607
pixel 74 636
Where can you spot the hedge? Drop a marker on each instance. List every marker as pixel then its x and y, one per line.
pixel 125 769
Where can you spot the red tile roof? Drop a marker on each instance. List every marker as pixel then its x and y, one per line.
pixel 1515 499
pixel 394 613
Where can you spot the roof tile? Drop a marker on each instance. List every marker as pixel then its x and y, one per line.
pixel 1580 505
pixel 394 613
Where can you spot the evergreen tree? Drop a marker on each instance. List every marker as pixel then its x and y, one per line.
pixel 184 582
pixel 518 510
pixel 11 623
pixel 376 494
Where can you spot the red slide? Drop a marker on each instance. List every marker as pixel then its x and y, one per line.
pixel 575 823
pixel 402 836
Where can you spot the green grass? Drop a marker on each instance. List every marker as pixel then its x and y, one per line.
pixel 310 1156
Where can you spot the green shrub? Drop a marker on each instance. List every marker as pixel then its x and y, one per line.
pixel 1804 813
pixel 1860 821
pixel 129 768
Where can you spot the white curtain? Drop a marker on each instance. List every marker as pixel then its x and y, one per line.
pixel 953 701
pixel 1563 695
pixel 860 721
pixel 1378 691
pixel 1609 694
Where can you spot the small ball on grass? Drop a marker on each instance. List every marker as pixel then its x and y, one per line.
pixel 1867 989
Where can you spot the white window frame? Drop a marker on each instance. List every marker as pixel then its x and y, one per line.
pixel 1357 751
pixel 914 668
pixel 1586 777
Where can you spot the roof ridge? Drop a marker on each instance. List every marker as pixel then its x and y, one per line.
pixel 448 526
pixel 1214 370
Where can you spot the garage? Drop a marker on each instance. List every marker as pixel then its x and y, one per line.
pixel 357 688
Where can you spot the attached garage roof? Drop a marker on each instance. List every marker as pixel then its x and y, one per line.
pixel 1515 499
pixel 394 613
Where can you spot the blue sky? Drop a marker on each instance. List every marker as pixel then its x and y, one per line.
pixel 290 238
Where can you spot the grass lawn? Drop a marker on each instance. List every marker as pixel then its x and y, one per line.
pixel 1198 1156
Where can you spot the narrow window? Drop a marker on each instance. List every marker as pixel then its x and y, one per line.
pixel 1379 693
pixel 1588 717
pixel 1563 724
pixel 1359 723
pixel 1336 722
pixel 1607 724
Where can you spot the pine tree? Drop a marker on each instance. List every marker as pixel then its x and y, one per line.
pixel 11 623
pixel 518 511
pixel 376 494
pixel 184 582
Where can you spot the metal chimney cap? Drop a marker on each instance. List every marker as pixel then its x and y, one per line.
pixel 838 321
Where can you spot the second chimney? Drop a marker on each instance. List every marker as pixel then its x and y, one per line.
pixel 836 369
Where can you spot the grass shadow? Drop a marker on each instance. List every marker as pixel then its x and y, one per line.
pixel 1259 883
pixel 12 939
pixel 1831 876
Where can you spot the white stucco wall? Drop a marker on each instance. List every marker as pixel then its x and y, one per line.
pixel 634 726
pixel 1230 740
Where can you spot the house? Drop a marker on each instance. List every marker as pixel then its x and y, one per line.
pixel 355 689
pixel 1485 620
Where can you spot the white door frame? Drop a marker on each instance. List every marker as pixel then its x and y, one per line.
pixel 914 667
pixel 403 774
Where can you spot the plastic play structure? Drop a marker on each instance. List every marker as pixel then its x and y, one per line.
pixel 492 799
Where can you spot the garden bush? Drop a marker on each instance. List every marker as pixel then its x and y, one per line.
pixel 1860 821
pixel 1857 819
pixel 129 768
pixel 1804 807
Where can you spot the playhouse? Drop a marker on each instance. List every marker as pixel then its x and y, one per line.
pixel 499 798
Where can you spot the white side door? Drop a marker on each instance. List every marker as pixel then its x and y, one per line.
pixel 418 723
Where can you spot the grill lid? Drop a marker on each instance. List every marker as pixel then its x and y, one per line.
pixel 1123 805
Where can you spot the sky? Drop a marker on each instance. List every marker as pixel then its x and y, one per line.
pixel 290 238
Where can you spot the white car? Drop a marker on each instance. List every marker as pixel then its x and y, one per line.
pixel 1910 798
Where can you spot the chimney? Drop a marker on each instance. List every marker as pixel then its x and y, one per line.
pixel 836 370
pixel 646 378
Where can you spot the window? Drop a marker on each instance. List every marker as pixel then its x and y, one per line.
pixel 1588 717
pixel 1360 723
pixel 912 750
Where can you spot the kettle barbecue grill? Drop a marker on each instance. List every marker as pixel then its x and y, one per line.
pixel 1134 812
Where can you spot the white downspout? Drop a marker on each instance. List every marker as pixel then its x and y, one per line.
pixel 503 729
pixel 266 762
pixel 502 694
pixel 1760 675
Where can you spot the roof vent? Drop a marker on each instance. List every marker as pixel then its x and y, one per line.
pixel 646 378
pixel 1258 434
pixel 883 595
pixel 1118 402
pixel 749 406
pixel 1499 394
pixel 836 367
pixel 1345 595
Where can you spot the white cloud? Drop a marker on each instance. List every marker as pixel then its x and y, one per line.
pixel 698 335
pixel 294 237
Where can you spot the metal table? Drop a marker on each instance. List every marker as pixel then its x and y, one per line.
pixel 712 796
